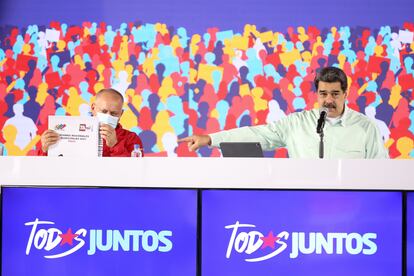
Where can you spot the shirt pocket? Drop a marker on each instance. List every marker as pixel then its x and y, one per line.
pixel 350 152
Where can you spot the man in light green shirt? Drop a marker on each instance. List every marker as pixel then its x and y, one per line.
pixel 347 133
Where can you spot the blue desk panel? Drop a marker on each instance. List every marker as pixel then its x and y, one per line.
pixel 98 231
pixel 301 233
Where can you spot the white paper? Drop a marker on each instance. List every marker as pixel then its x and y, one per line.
pixel 52 35
pixel 79 136
pixel 405 36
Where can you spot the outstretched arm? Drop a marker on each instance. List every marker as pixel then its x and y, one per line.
pixel 195 142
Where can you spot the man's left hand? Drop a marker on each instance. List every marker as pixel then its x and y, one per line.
pixel 108 134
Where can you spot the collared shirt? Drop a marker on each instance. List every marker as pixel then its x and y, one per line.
pixel 353 135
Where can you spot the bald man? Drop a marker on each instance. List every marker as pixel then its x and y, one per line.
pixel 107 108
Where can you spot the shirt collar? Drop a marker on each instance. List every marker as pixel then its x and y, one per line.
pixel 343 118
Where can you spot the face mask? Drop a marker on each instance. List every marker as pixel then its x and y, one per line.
pixel 107 119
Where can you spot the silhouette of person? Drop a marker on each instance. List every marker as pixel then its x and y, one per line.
pixel 25 127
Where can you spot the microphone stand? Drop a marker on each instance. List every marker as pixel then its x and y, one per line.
pixel 321 145
pixel 319 130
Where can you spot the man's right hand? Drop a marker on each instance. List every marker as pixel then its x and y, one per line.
pixel 196 141
pixel 48 138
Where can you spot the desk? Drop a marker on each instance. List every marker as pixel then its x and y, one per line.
pixel 207 216
pixel 241 173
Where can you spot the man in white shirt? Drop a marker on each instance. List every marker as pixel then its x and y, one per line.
pixel 347 133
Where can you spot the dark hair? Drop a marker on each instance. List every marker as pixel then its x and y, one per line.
pixel 332 74
pixel 112 91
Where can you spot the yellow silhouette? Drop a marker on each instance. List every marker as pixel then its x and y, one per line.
pixel 118 65
pixel 166 89
pixel 161 28
pixel 245 90
pixel 61 45
pixel 162 126
pixel 9 134
pixel 26 49
pixel 98 87
pixel 259 103
pixel 316 45
pixel 129 119
pixel 101 40
pixel 405 145
pixel 378 50
pixel 266 36
pixel 302 34
pixel 175 43
pixel 395 95
pixel 289 58
pixel 250 29
pixel 205 72
pixel 148 65
pixel 306 57
pixel 341 60
pixel 123 49
pixel 74 101
pixel 79 61
pixel 194 44
pixel 130 72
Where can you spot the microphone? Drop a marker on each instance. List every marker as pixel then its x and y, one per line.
pixel 323 112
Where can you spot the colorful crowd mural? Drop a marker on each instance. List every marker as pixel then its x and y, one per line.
pixel 177 84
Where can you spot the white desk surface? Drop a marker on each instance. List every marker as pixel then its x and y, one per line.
pixel 240 173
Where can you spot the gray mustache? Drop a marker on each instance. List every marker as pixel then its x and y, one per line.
pixel 329 105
